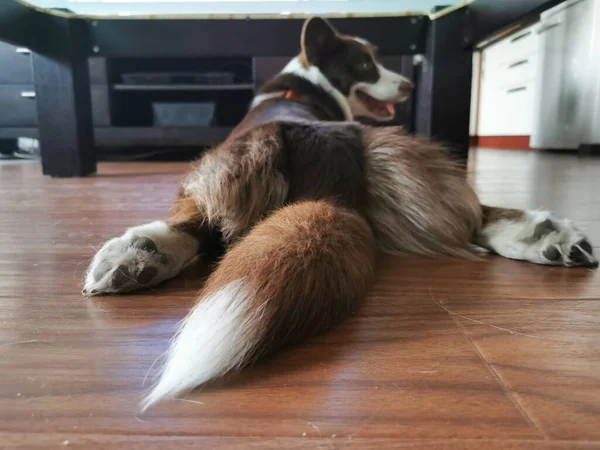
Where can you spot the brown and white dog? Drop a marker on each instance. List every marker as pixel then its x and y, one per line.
pixel 302 197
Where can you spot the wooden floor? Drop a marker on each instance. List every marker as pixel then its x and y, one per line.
pixel 446 354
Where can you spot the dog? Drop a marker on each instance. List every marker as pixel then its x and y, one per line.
pixel 302 197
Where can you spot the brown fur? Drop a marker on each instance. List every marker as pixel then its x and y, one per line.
pixel 342 59
pixel 415 197
pixel 237 183
pixel 418 198
pixel 186 217
pixel 325 160
pixel 308 266
pixel 302 201
pixel 493 214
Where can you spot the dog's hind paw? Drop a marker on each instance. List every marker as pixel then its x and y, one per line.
pixel 539 237
pixel 559 242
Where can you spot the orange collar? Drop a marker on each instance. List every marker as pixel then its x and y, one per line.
pixel 288 95
pixel 292 95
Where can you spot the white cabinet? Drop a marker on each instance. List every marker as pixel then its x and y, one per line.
pixel 567 112
pixel 507 85
pixel 544 81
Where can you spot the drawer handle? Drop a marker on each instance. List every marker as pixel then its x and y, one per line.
pixel 517 89
pixel 518 63
pixel 545 28
pixel 521 36
pixel 23 51
pixel 28 94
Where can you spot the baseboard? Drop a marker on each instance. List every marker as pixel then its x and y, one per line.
pixel 503 142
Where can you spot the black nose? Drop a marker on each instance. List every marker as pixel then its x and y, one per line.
pixel 406 87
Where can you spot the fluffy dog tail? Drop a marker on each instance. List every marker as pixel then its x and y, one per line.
pixel 295 275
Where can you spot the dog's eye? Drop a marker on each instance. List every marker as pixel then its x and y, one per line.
pixel 365 66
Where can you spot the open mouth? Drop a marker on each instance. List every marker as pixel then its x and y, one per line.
pixel 376 107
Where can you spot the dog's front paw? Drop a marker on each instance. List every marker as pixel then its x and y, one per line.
pixel 559 242
pixel 124 264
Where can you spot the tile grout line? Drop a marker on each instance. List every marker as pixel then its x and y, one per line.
pixel 505 388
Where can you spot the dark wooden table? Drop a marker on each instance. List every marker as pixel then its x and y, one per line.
pixel 61 44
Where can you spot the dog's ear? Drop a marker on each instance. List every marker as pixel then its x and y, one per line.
pixel 319 39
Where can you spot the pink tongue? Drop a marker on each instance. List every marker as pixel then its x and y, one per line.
pixel 380 108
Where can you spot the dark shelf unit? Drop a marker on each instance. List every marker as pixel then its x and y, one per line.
pixel 183 87
pixel 132 102
pixel 122 111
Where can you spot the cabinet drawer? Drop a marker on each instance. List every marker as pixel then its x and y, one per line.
pixel 15 65
pixel 518 106
pixel 516 71
pixel 520 71
pixel 507 111
pixel 521 43
pixel 512 48
pixel 17 108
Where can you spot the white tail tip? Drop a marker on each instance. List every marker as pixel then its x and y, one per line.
pixel 215 338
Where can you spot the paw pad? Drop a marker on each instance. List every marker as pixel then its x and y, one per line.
pixel 552 253
pixel 544 228
pixel 581 254
pixel 143 243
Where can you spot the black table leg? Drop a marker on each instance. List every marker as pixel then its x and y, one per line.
pixel 444 85
pixel 62 89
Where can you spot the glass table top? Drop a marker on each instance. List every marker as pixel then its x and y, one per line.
pixel 293 8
